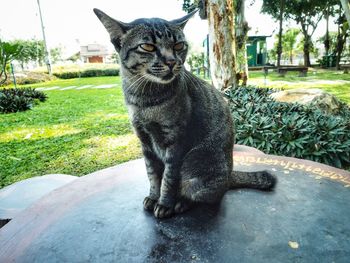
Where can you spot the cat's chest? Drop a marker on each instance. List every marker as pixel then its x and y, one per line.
pixel 175 107
pixel 155 129
pixel 159 124
pixel 151 114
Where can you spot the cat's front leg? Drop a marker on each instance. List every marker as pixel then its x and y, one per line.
pixel 155 170
pixel 154 167
pixel 169 185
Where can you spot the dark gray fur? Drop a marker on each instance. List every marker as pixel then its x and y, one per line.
pixel 183 123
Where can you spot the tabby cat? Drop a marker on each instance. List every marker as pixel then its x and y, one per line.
pixel 183 123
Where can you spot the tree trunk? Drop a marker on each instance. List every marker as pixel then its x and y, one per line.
pixel 346 7
pixel 279 46
pixel 242 29
pixel 341 40
pixel 307 44
pixel 340 47
pixel 3 73
pixel 307 51
pixel 326 40
pixel 3 76
pixel 222 47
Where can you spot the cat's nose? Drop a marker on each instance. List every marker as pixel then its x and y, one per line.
pixel 170 62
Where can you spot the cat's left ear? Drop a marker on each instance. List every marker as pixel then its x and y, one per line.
pixel 181 22
pixel 115 28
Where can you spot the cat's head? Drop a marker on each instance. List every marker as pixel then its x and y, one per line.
pixel 153 48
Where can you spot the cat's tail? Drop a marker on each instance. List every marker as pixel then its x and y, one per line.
pixel 261 180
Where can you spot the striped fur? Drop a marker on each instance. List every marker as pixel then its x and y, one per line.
pixel 261 180
pixel 183 123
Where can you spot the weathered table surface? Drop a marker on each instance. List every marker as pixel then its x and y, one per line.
pixel 19 196
pixel 99 218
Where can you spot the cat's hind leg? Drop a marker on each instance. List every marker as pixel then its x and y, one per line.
pixel 208 191
pixel 182 205
pixel 205 177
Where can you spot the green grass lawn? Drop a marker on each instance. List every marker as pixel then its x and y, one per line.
pixel 74 132
pixel 81 131
pixel 77 82
pixel 334 82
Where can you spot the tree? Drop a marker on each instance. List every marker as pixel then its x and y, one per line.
pixel 280 17
pixel 276 8
pixel 196 61
pixel 290 45
pixel 346 7
pixel 307 13
pixel 222 43
pixel 32 50
pixel 326 37
pixel 332 42
pixel 8 52
pixel 326 40
pixel 242 29
pixel 330 11
pixel 115 58
pixel 37 51
pixel 343 33
pixel 221 24
pixel 289 40
pixel 56 54
pixel 23 57
pixel 312 47
pixel 75 57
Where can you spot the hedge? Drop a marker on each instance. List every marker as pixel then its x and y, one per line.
pixel 290 129
pixel 87 73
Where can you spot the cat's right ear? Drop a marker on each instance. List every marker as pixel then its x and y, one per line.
pixel 181 22
pixel 115 28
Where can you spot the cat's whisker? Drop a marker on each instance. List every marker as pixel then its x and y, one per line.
pixel 129 88
pixel 132 79
pixel 135 84
pixel 188 78
pixel 195 83
pixel 142 85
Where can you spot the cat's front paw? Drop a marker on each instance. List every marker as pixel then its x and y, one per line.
pixel 149 204
pixel 161 211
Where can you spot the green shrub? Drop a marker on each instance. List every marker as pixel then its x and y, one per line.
pixel 67 75
pixel 91 73
pixel 290 129
pixel 110 72
pixel 19 99
pixel 28 77
pixel 87 73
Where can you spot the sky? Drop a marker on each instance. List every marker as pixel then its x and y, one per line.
pixel 71 23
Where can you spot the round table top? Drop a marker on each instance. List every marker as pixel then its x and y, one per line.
pixel 100 218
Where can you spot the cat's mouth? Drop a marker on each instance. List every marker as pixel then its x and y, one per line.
pixel 168 76
pixel 163 77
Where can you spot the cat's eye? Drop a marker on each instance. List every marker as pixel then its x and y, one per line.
pixel 179 46
pixel 148 47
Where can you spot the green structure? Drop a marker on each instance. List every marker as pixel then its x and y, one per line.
pixel 256 51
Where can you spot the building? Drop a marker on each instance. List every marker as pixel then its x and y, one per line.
pixel 94 53
pixel 256 51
